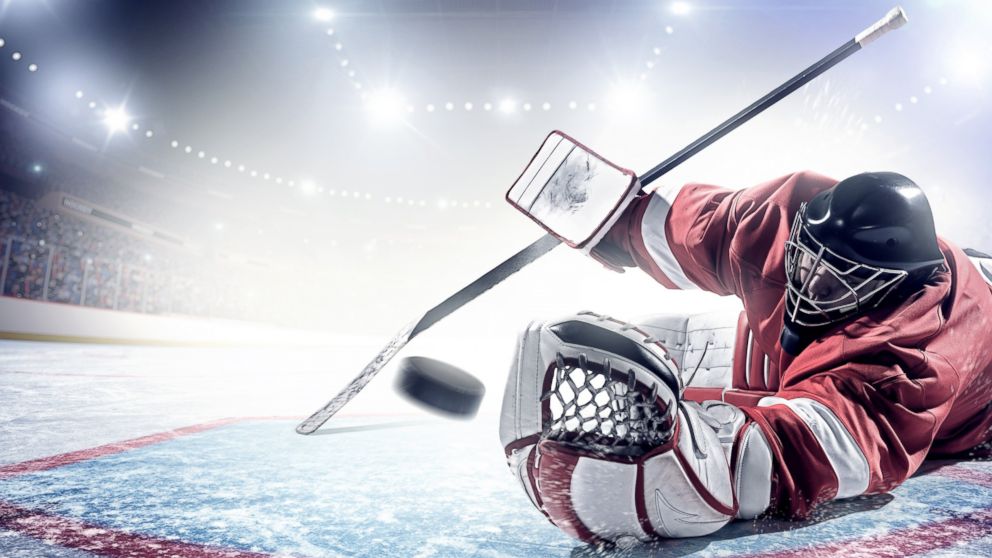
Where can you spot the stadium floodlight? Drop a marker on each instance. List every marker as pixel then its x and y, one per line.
pixel 32 67
pixel 626 98
pixel 507 106
pixel 681 8
pixel 323 14
pixel 308 187
pixel 386 105
pixel 116 119
pixel 968 64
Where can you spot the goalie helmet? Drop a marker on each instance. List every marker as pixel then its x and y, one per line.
pixel 851 247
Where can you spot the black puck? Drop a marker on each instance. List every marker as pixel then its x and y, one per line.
pixel 440 386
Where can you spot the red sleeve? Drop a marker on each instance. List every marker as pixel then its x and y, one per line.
pixel 857 429
pixel 713 238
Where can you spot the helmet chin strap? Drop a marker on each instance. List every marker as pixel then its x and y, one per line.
pixel 793 342
pixel 795 338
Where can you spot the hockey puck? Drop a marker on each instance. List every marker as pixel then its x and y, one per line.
pixel 440 386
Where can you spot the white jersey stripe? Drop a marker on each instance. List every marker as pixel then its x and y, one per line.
pixel 656 240
pixel 845 456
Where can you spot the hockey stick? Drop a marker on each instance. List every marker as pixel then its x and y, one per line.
pixel 892 20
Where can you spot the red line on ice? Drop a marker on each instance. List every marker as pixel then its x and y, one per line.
pixel 966 474
pixel 70 533
pixel 900 542
pixel 51 462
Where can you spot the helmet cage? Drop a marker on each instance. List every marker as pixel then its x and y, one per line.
pixel 864 286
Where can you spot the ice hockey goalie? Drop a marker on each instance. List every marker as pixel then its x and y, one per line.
pixel 862 349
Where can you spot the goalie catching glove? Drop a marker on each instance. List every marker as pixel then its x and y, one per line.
pixel 596 432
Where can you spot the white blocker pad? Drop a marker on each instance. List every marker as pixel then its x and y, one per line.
pixel 702 345
pixel 573 192
pixel 680 486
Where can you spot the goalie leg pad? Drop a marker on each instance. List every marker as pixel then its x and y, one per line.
pixel 600 442
pixel 681 489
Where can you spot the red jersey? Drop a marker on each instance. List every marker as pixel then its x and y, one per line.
pixel 859 409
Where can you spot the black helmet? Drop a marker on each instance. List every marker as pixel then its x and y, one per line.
pixel 853 245
pixel 880 219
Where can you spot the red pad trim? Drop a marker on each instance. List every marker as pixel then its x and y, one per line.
pixel 739 378
pixel 700 394
pixel 702 490
pixel 555 479
pixel 521 443
pixel 756 379
pixel 640 503
pixel 743 398
pixel 773 375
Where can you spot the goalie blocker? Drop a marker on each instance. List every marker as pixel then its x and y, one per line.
pixel 596 431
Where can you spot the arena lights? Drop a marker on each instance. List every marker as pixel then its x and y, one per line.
pixel 626 98
pixel 968 65
pixel 681 8
pixel 507 106
pixel 323 14
pixel 386 105
pixel 308 187
pixel 116 119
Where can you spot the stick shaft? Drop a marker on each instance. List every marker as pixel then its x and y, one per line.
pixel 756 108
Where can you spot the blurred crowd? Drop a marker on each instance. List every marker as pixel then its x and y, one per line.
pixel 55 257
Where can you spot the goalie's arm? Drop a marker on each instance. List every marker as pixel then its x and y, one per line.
pixel 701 236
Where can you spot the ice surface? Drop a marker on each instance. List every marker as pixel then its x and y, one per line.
pixel 402 485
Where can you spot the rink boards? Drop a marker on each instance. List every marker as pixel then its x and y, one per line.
pixel 244 488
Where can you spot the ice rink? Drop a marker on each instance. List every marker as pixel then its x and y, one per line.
pixel 155 452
